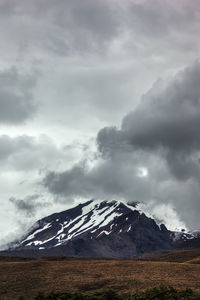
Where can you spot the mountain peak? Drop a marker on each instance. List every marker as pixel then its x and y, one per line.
pixel 59 228
pixel 96 228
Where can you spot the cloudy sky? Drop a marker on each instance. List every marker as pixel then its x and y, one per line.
pixel 99 99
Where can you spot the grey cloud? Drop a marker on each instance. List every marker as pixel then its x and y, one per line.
pixel 111 140
pixel 6 8
pixel 155 25
pixel 117 177
pixel 70 27
pixel 82 27
pixel 168 116
pixel 141 39
pixel 168 120
pixel 104 87
pixel 69 183
pixel 95 18
pixel 28 153
pixel 29 205
pixel 156 18
pixel 16 99
pixel 102 91
pixel 184 166
pixel 114 178
pixel 161 135
pixel 9 146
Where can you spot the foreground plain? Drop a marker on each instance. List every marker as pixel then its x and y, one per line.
pixel 28 277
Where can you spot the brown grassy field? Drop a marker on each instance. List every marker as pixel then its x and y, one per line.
pixel 18 277
pixel 174 256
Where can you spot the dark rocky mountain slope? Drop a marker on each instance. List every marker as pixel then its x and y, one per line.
pixel 95 229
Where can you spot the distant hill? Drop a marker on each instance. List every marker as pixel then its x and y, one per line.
pixel 179 256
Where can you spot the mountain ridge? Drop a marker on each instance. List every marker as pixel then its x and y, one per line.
pixel 97 229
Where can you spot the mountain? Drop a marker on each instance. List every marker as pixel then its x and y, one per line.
pixel 95 229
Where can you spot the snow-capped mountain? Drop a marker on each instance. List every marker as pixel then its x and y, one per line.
pixel 96 229
pixel 74 223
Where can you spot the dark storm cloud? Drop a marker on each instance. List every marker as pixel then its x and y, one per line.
pixel 111 140
pixel 166 123
pixel 168 115
pixel 16 100
pixel 168 119
pixel 161 135
pixel 111 178
pixel 70 183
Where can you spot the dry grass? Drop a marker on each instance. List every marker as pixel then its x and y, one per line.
pixel 195 260
pixel 28 277
pixel 178 256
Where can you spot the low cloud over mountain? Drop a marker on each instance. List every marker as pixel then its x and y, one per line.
pixel 160 136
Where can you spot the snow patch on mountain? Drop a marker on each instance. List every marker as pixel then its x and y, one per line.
pixel 93 218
